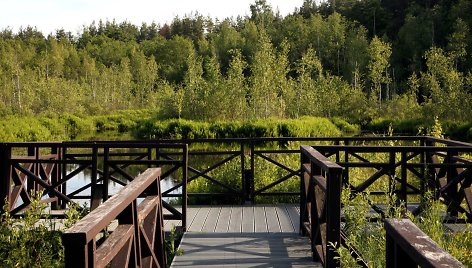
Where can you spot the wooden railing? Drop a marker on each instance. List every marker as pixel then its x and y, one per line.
pixel 408 246
pixel 320 206
pixel 137 241
pixel 409 171
pixel 51 166
pixel 431 164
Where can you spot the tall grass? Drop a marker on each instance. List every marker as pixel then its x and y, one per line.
pixel 67 126
pixel 186 129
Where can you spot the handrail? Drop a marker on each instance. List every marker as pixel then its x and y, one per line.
pixel 408 246
pixel 49 166
pixel 320 205
pixel 133 242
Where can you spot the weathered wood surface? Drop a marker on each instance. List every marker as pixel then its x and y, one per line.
pixel 243 236
pixel 408 246
pixel 244 250
pixel 253 218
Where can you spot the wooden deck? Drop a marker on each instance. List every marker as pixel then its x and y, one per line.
pixel 243 236
pixel 283 218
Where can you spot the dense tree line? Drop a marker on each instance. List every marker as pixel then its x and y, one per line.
pixel 355 59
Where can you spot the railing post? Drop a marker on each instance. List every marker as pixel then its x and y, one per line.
pixel 423 186
pixel 184 188
pixel 30 185
pixel 5 175
pixel 315 239
pixel 452 191
pixel 404 174
pixel 333 221
pixel 395 256
pixel 346 160
pixel 63 156
pixel 95 192
pixel 391 173
pixel 251 178
pixel 106 172
pixel 55 175
pixel 244 197
pixel 303 217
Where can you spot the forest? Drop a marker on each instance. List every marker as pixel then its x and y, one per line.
pixel 361 60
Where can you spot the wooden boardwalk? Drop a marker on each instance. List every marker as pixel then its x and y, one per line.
pixel 254 218
pixel 243 236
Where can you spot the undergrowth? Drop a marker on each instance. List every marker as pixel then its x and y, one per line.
pixel 33 240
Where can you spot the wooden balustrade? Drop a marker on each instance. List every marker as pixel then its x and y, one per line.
pixel 320 206
pixel 137 241
pixel 408 246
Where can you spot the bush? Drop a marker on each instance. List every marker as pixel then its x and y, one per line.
pixel 32 241
pixel 186 129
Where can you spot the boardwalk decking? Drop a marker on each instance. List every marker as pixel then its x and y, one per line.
pixel 243 236
pixel 255 218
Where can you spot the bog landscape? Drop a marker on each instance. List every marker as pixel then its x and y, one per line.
pixel 334 126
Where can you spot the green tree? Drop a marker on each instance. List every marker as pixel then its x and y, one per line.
pixel 379 57
pixel 458 41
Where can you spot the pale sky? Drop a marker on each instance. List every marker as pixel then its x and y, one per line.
pixel 50 15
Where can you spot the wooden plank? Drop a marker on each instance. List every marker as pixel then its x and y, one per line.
pixel 235 224
pixel 224 220
pixel 273 225
pixel 248 219
pixel 113 244
pixel 409 240
pixel 260 219
pixel 211 220
pixel 294 216
pixel 199 220
pixel 191 214
pixel 244 250
pixel 284 219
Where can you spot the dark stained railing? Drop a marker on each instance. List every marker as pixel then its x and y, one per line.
pixel 407 165
pixel 409 170
pixel 408 246
pixel 137 241
pixel 430 164
pixel 51 166
pixel 320 206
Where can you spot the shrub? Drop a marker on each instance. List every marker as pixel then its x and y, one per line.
pixel 183 129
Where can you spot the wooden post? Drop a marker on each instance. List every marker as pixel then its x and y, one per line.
pixel 63 175
pixel 55 175
pixel 106 172
pixel 243 174
pixel 30 185
pixel 251 181
pixel 184 187
pixel 95 193
pixel 452 192
pixel 333 219
pixel 5 175
pixel 346 169
pixel 404 174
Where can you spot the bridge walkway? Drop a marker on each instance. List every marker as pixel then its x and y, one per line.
pixel 243 236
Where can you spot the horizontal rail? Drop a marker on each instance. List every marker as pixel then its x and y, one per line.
pixel 134 241
pixel 320 204
pixel 408 246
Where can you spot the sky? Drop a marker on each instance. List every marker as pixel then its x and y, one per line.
pixel 71 15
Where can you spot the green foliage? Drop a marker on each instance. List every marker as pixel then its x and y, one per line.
pixel 458 244
pixel 358 60
pixel 303 127
pixel 68 126
pixel 172 243
pixel 33 240
pixel 369 237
